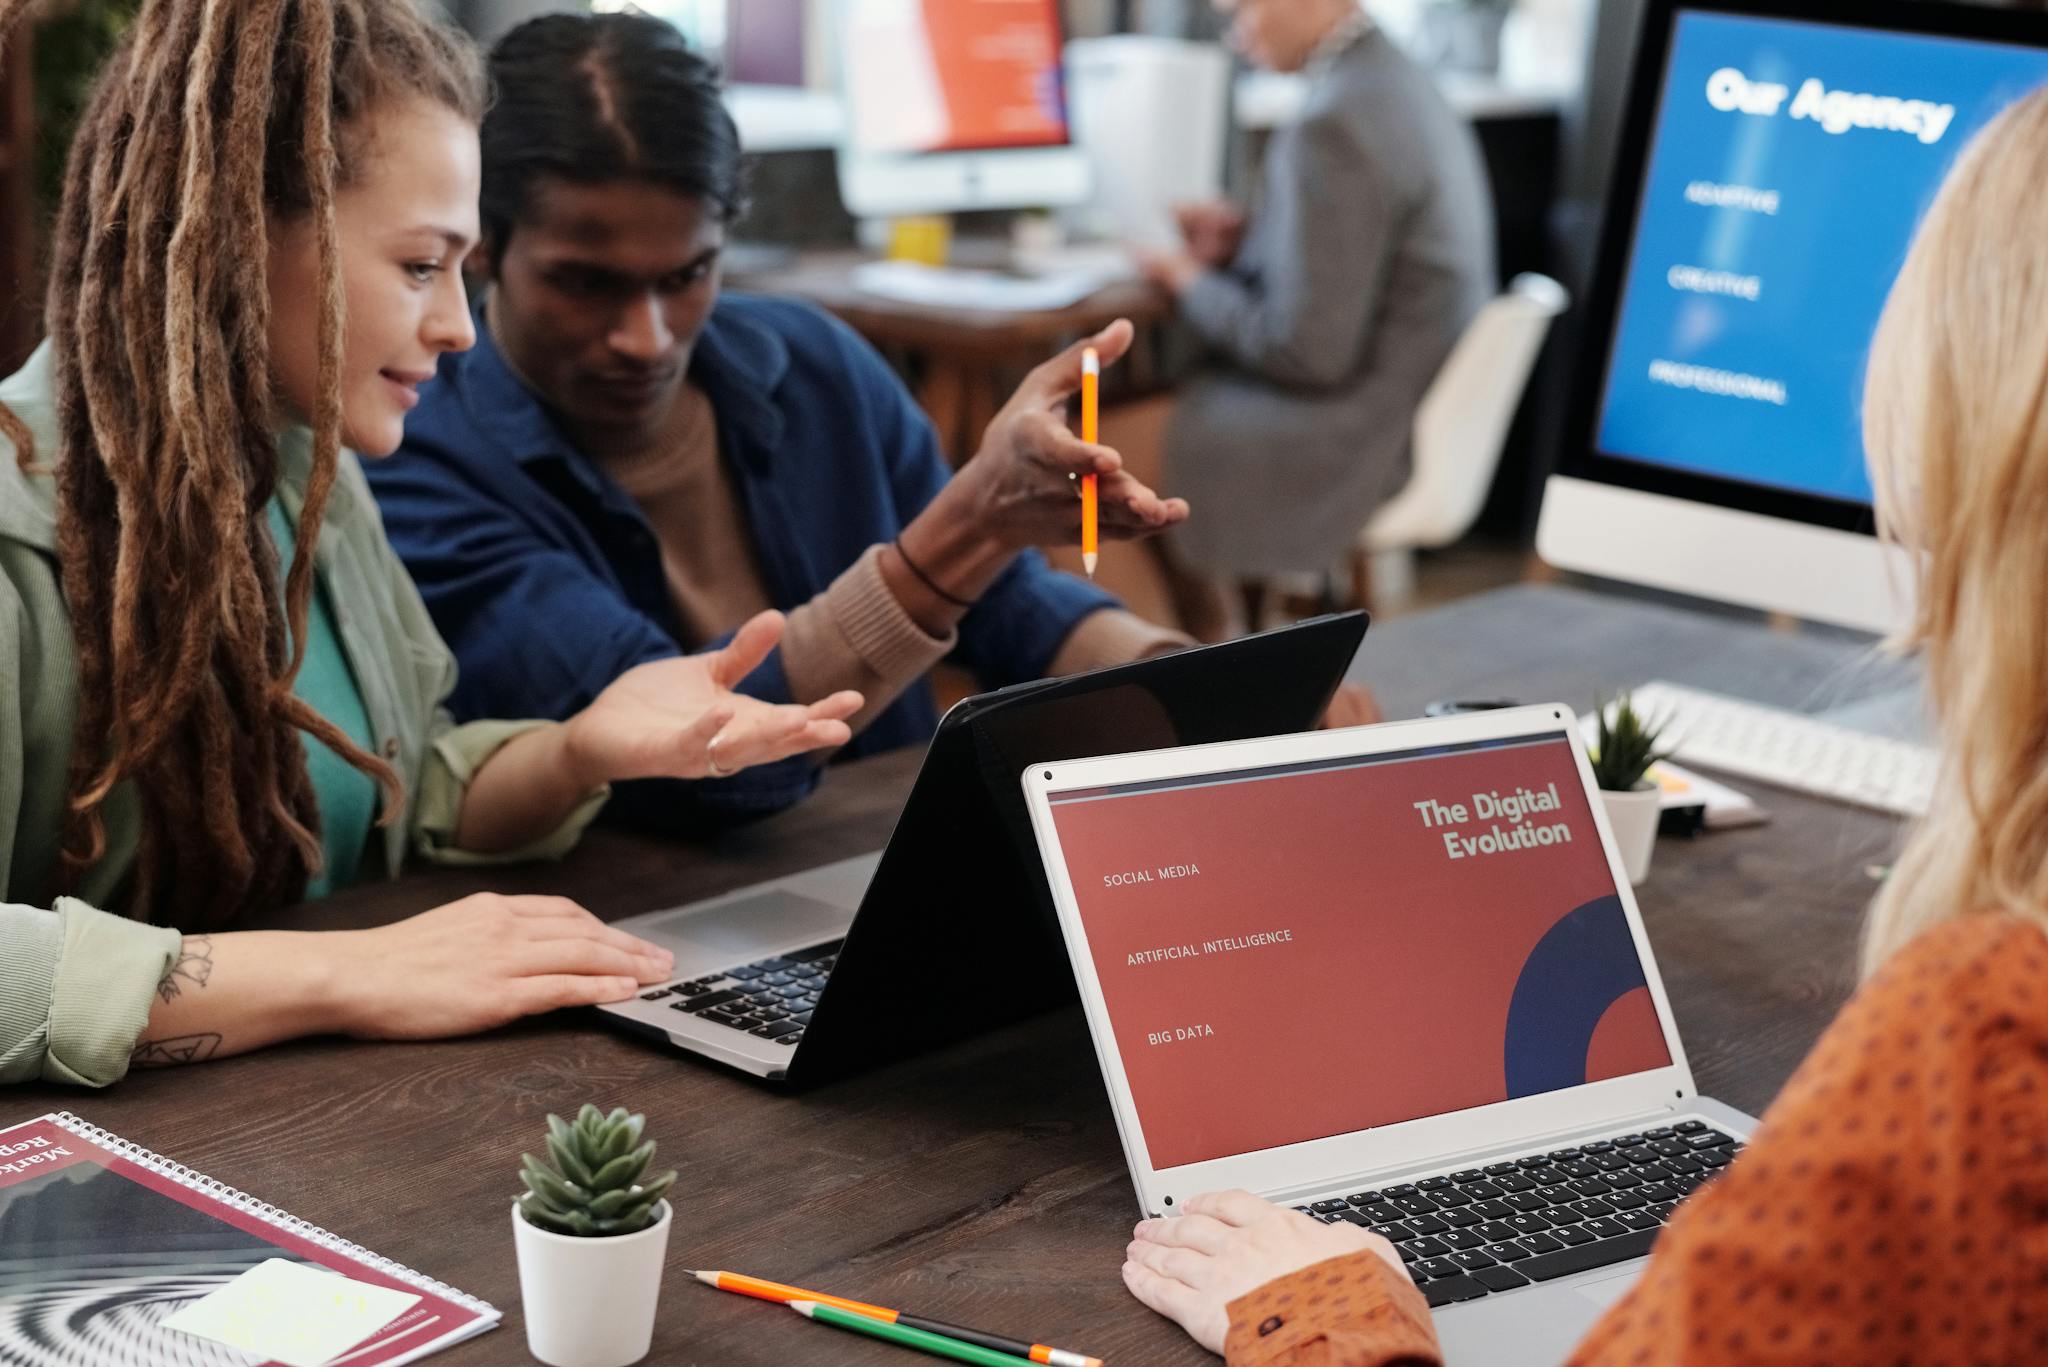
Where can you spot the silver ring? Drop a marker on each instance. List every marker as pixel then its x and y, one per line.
pixel 711 758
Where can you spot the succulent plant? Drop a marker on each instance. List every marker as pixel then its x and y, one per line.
pixel 595 1186
pixel 1627 746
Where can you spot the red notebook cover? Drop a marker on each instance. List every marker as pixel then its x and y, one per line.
pixel 101 1240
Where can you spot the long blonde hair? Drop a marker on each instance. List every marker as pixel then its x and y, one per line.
pixel 1955 416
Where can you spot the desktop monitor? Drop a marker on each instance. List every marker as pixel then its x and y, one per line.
pixel 1775 160
pixel 954 105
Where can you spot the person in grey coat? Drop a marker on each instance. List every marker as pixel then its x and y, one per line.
pixel 1325 316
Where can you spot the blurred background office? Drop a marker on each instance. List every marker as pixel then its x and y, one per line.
pixel 1159 108
pixel 1324 311
pixel 858 191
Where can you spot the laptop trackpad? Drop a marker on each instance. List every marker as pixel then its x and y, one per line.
pixel 753 927
pixel 1532 1326
pixel 1607 1292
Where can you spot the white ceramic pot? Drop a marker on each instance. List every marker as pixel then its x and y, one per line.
pixel 1632 817
pixel 589 1302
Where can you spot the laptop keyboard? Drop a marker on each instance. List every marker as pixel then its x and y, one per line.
pixel 768 998
pixel 1480 1231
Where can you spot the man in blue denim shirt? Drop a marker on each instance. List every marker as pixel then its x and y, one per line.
pixel 627 465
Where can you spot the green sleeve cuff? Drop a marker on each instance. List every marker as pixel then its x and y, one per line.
pixel 77 984
pixel 452 761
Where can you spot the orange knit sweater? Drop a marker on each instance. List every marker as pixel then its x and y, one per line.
pixel 1893 1208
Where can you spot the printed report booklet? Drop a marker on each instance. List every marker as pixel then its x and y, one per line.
pixel 101 1241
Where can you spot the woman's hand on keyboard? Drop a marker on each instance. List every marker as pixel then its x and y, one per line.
pixel 1191 1267
pixel 468 966
pixel 482 962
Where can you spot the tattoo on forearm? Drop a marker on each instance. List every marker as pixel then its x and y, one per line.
pixel 194 966
pixel 158 1053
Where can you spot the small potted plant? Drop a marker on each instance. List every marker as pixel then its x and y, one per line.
pixel 591 1234
pixel 1625 750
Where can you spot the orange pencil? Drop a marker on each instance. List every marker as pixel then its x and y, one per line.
pixel 1091 406
pixel 776 1291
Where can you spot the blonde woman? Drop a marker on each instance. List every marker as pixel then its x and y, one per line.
pixel 1894 1207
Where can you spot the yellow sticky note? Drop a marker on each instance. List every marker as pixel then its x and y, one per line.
pixel 291 1313
pixel 1668 781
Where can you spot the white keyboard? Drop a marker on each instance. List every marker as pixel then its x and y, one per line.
pixel 1790 750
pixel 992 291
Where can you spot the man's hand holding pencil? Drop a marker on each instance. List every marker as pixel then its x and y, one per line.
pixel 1024 488
pixel 1024 480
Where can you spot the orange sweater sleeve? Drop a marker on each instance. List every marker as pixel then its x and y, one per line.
pixel 1353 1311
pixel 1893 1207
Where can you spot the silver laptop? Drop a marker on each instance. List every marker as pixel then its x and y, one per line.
pixel 853 964
pixel 1394 976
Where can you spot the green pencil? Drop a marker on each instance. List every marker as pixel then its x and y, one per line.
pixel 936 1344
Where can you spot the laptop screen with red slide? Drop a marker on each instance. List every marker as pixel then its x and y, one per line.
pixel 1299 951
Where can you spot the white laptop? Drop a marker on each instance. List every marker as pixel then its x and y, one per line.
pixel 1392 975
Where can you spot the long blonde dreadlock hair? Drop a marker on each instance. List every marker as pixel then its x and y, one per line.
pixel 210 116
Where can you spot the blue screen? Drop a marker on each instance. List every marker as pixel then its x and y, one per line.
pixel 1790 164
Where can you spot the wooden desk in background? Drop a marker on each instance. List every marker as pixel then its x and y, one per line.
pixel 982 1184
pixel 963 362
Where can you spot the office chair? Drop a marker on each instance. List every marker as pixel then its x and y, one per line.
pixel 1460 428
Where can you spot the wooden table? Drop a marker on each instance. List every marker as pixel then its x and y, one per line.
pixel 963 361
pixel 982 1184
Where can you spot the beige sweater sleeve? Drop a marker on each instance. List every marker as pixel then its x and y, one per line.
pixel 1113 637
pixel 856 635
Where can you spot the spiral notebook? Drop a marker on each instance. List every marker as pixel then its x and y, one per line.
pixel 101 1240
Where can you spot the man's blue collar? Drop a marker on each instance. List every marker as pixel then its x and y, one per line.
pixel 739 361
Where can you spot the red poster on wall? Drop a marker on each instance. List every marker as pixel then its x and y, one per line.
pixel 998 65
pixel 954 75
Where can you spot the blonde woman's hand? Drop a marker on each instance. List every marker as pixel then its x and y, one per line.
pixel 1191 1267
pixel 482 962
pixel 661 719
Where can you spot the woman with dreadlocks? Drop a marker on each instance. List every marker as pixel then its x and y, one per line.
pixel 218 690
